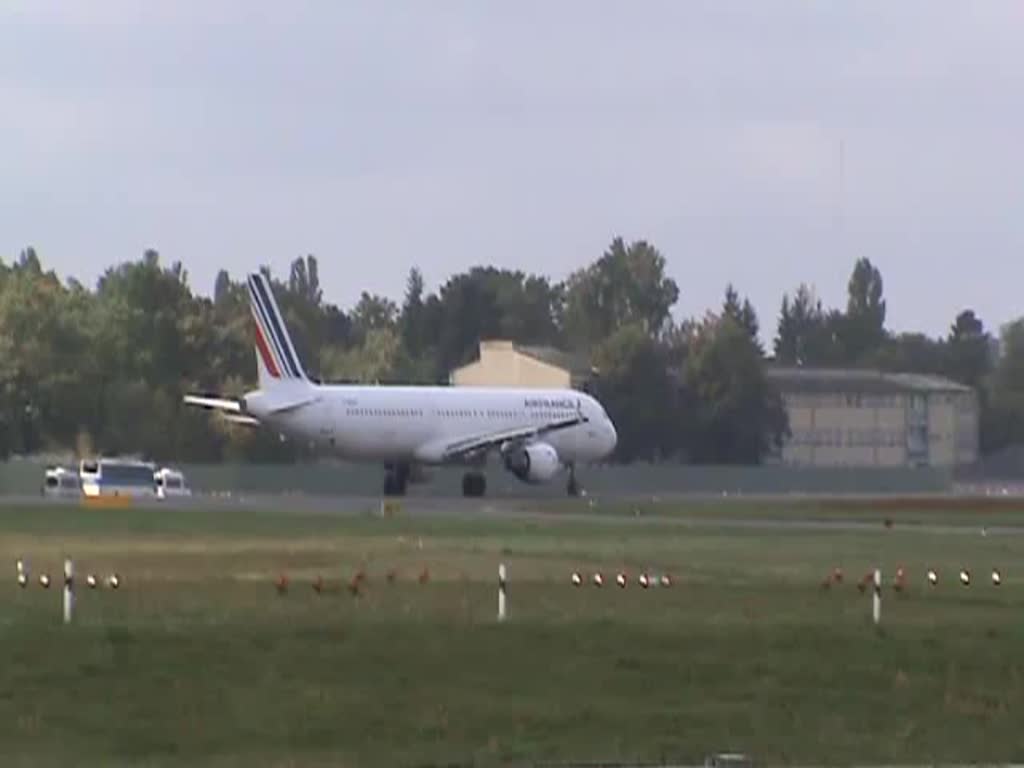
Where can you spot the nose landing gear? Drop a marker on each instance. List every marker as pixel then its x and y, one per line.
pixel 474 484
pixel 396 479
pixel 573 487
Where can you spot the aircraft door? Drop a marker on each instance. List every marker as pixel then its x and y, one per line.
pixel 326 427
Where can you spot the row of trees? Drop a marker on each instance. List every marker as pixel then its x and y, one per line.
pixel 105 369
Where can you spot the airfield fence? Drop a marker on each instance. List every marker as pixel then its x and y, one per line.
pixel 25 476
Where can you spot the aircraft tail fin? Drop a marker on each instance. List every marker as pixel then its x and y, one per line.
pixel 276 360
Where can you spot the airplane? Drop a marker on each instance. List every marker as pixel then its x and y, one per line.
pixel 536 433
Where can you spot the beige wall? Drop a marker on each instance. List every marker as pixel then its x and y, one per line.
pixel 941 430
pixel 952 428
pixel 967 428
pixel 833 429
pixel 501 365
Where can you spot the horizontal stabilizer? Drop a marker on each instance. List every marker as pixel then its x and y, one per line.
pixel 217 403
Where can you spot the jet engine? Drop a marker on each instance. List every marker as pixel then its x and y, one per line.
pixel 533 463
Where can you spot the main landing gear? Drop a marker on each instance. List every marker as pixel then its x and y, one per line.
pixel 474 484
pixel 396 479
pixel 573 487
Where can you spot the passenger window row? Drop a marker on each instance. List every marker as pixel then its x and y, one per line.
pixel 397 412
pixel 458 413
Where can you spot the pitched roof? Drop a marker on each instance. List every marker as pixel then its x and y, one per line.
pixel 859 380
pixel 576 364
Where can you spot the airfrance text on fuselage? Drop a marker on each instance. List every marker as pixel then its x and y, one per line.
pixel 541 402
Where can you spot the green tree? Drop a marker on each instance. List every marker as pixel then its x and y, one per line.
pixel 229 324
pixel 807 334
pixel 486 303
pixel 300 300
pixel 28 263
pixel 304 281
pixel 639 394
pixel 139 350
pixel 144 303
pixel 373 313
pixel 338 328
pixel 863 327
pixel 418 323
pixel 626 286
pixel 468 312
pixel 45 366
pixel 379 359
pixel 743 314
pixel 1003 419
pixel 222 287
pixel 74 373
pixel 411 319
pixel 740 417
pixel 909 353
pixel 970 350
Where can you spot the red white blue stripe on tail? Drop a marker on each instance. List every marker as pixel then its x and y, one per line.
pixel 275 351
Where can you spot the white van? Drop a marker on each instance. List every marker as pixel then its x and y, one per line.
pixel 61 482
pixel 170 482
pixel 117 477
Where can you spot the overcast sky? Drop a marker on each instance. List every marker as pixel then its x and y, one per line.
pixel 381 135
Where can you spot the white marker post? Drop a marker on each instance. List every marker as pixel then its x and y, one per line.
pixel 501 592
pixel 69 590
pixel 877 601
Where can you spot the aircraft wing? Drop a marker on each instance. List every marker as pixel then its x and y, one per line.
pixel 484 442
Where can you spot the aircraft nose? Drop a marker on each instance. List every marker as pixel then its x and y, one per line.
pixel 611 436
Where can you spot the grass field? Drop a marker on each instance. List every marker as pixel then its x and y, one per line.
pixel 197 660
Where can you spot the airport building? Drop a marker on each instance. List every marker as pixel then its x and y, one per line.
pixel 873 419
pixel 507 364
pixel 837 417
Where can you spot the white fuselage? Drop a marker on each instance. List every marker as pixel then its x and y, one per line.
pixel 417 423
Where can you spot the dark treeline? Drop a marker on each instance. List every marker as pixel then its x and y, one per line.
pixel 105 369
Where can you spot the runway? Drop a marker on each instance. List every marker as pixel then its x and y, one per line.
pixel 612 512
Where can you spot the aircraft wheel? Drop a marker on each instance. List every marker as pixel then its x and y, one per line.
pixel 395 481
pixel 401 479
pixel 473 484
pixel 573 487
